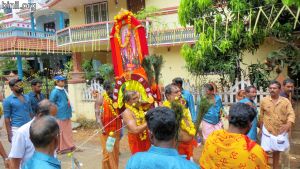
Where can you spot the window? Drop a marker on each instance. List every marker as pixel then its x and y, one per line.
pixel 49 27
pixel 67 23
pixel 96 12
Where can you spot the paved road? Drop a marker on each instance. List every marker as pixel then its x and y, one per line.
pixel 91 155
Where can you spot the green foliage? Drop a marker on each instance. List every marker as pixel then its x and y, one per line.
pixel 153 65
pixel 87 66
pixel 147 65
pixel 107 72
pixel 8 65
pixel 68 68
pixel 259 75
pixel 146 12
pixel 157 62
pixel 226 31
pixel 204 105
pixel 189 10
pixel 289 56
pixel 38 75
pixel 177 108
pixel 288 2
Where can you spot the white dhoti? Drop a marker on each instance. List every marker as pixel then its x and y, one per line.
pixel 270 142
pixel 13 132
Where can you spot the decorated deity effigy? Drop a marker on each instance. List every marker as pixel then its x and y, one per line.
pixel 129 49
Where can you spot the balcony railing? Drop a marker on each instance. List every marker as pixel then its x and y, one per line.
pixel 85 33
pixel 101 31
pixel 24 32
pixel 172 36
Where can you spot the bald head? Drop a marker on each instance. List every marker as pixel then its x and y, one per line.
pixel 45 107
pixel 129 95
pixel 43 131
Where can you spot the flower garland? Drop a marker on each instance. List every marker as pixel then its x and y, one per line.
pixel 186 122
pixel 140 118
pixel 118 18
pixel 110 101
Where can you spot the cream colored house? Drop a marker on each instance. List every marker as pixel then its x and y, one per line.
pixel 91 22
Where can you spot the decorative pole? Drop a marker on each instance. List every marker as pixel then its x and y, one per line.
pixel 20 70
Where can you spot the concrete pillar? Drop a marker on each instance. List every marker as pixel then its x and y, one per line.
pixel 61 21
pixel 32 22
pixel 77 75
pixel 20 69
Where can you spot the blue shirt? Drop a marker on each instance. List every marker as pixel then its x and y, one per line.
pixel 157 157
pixel 212 116
pixel 252 134
pixel 59 97
pixel 17 111
pixel 34 101
pixel 42 161
pixel 190 103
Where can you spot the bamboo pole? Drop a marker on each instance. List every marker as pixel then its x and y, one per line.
pixel 279 13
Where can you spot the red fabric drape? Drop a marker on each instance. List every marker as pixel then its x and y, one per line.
pixel 116 48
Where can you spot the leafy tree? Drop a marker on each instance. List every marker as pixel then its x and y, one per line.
pixel 226 29
pixel 8 64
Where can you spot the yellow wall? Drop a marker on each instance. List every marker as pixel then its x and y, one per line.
pixel 261 54
pixel 174 65
pixel 114 9
pixel 77 16
pixel 162 3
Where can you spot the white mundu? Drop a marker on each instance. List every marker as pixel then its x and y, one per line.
pixel 270 142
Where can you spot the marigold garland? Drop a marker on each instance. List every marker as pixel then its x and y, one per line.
pixel 140 118
pixel 118 18
pixel 110 101
pixel 186 122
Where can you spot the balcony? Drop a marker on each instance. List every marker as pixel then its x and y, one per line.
pixel 172 37
pixel 85 33
pixel 101 31
pixel 25 41
pixel 24 33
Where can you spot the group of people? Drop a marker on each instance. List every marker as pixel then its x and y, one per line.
pixel 168 131
pixel 158 137
pixel 37 128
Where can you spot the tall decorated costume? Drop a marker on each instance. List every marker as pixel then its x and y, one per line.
pixel 129 48
pixel 112 122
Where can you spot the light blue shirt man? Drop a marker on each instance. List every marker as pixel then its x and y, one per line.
pixel 158 157
pixel 42 161
pixel 17 111
pixel 59 97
